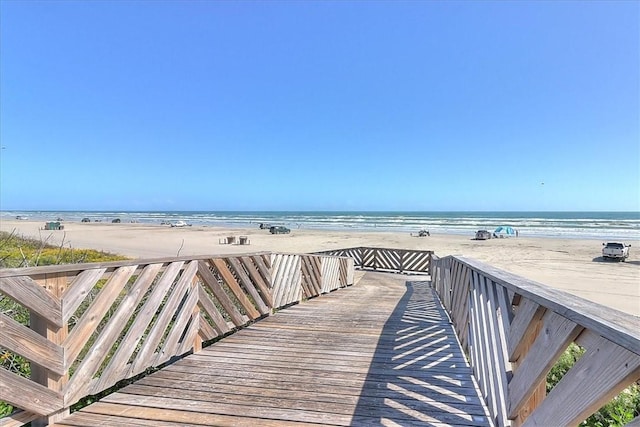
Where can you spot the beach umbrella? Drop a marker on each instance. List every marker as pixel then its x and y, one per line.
pixel 505 229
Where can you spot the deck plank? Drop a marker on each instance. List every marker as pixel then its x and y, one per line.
pixel 381 352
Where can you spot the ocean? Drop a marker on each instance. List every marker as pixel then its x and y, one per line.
pixel 589 225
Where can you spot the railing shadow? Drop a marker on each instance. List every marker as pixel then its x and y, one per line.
pixel 419 375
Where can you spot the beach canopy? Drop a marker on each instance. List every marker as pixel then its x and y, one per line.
pixel 505 229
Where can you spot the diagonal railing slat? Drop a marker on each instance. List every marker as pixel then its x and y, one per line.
pixel 32 396
pixel 518 329
pixel 512 328
pixel 20 339
pixel 215 287
pixel 233 284
pixel 89 321
pixel 78 386
pixel 101 323
pixel 118 363
pixel 239 271
pixel 78 290
pixel 146 356
pixel 30 294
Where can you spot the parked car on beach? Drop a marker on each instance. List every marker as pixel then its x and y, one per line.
pixel 53 226
pixel 483 235
pixel 180 224
pixel 615 250
pixel 279 230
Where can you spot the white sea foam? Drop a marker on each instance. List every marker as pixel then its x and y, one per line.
pixel 596 225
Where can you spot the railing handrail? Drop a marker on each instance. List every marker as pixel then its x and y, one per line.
pixel 161 308
pixel 514 330
pixel 70 268
pixel 387 259
pixel 269 280
pixel 615 325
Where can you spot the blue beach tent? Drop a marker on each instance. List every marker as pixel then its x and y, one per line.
pixel 506 230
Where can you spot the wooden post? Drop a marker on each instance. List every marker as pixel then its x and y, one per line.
pixel 56 284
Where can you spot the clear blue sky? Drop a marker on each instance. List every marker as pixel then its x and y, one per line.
pixel 325 105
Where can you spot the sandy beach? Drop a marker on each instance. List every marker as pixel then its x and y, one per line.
pixel 573 265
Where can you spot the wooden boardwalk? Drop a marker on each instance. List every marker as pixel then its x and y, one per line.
pixel 381 352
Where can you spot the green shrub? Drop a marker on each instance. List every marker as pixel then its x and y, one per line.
pixel 618 412
pixel 17 251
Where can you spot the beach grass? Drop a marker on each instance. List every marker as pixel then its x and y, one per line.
pixel 19 251
pixel 618 412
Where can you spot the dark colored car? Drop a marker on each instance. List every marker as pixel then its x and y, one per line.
pixel 279 230
pixel 483 235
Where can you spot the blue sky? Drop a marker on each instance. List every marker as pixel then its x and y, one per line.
pixel 326 105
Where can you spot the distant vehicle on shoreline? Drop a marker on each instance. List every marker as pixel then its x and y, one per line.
pixel 483 235
pixel 615 250
pixel 53 226
pixel 180 224
pixel 279 230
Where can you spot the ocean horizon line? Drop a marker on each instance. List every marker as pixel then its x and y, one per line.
pixel 573 224
pixel 308 211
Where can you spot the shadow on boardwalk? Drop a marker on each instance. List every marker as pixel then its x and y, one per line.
pixel 379 353
pixel 411 380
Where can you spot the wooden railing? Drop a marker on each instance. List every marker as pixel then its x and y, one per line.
pixel 514 330
pixel 395 260
pixel 93 325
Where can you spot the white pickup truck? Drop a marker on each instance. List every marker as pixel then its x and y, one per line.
pixel 615 250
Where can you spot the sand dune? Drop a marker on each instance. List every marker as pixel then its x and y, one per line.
pixel 573 265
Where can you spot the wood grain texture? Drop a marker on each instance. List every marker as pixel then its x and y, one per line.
pixel 18 418
pixel 234 286
pixel 527 316
pixel 379 352
pixel 78 290
pixel 239 271
pixel 556 335
pixel 147 354
pixel 100 349
pixel 117 368
pixel 32 397
pixel 92 317
pixel 212 284
pixel 206 304
pixel 254 267
pixel 31 295
pixel 31 345
pixel 618 327
pixel 600 374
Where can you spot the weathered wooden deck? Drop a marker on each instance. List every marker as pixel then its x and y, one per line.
pixel 381 352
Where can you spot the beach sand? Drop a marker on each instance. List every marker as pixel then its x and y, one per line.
pixel 573 265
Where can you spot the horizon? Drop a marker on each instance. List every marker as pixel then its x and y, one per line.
pixel 309 211
pixel 354 106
